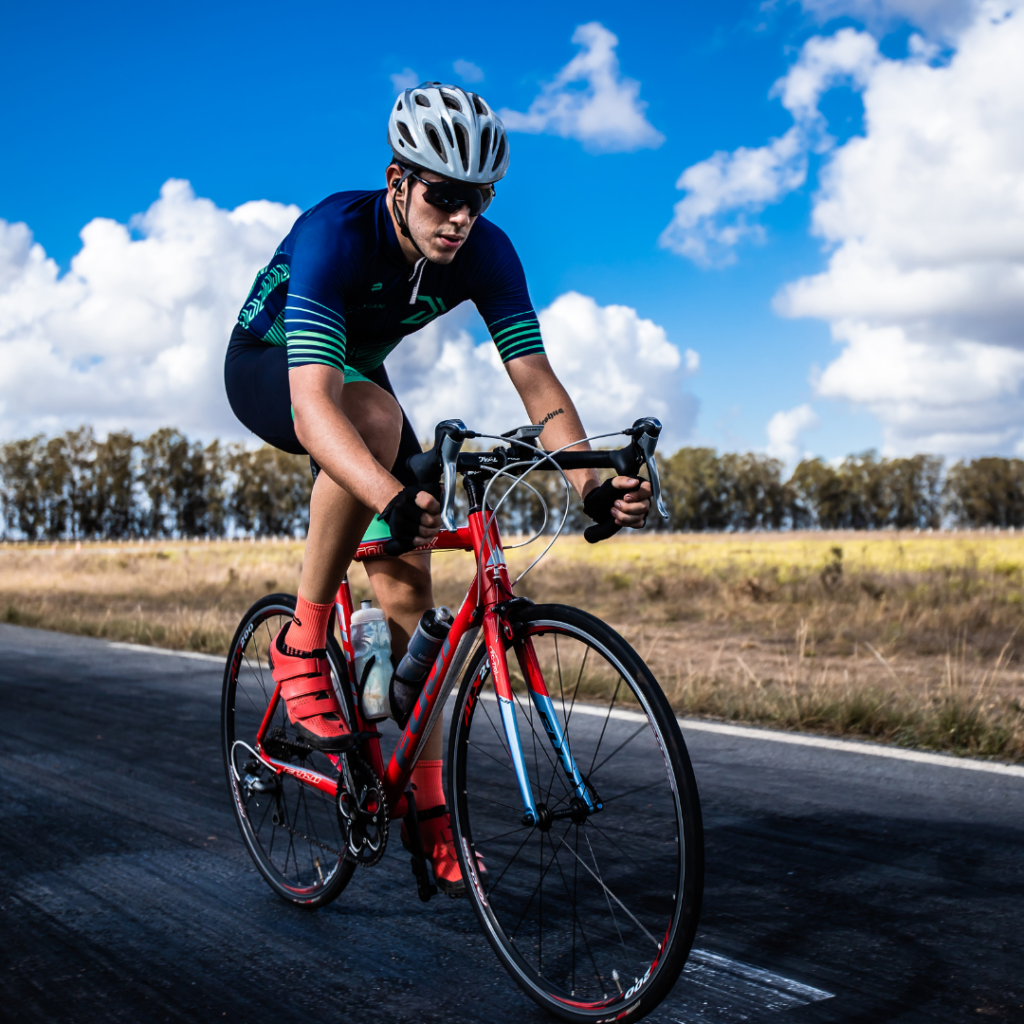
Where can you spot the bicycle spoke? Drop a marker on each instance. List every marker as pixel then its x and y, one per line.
pixel 629 792
pixel 500 835
pixel 632 737
pixel 600 739
pixel 537 886
pixel 494 885
pixel 615 920
pixel 576 922
pixel 590 822
pixel 608 892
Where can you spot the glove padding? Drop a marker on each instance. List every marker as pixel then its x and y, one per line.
pixel 598 505
pixel 402 515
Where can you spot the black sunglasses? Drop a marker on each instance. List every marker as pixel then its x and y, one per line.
pixel 452 195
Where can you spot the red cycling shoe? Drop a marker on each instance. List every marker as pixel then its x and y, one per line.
pixel 439 846
pixel 313 708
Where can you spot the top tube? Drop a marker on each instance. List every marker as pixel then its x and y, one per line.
pixel 446 540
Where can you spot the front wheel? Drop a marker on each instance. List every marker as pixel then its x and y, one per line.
pixel 592 913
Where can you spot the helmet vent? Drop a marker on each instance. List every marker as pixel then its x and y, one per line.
pixel 403 130
pixel 422 100
pixel 485 148
pixel 479 105
pixel 435 140
pixel 451 102
pixel 448 133
pixel 463 140
pixel 500 154
pixel 399 107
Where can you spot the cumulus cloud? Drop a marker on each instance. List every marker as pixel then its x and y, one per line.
pixel 134 334
pixel 726 191
pixel 785 432
pixel 405 79
pixel 936 17
pixel 606 114
pixel 924 288
pixel 616 365
pixel 468 71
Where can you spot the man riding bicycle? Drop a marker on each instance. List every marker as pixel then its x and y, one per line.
pixel 305 372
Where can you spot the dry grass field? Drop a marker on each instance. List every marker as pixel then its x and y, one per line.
pixel 913 639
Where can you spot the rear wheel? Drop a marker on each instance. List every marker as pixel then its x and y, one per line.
pixel 592 913
pixel 290 829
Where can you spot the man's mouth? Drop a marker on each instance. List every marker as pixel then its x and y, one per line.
pixel 451 241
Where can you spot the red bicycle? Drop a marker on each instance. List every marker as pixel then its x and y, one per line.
pixel 567 771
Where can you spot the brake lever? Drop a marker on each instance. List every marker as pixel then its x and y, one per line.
pixel 450 448
pixel 647 443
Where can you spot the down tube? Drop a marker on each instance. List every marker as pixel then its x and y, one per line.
pixel 530 666
pixel 503 691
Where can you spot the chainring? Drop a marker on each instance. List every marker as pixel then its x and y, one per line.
pixel 363 811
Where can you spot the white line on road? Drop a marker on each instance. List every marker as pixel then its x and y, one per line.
pixel 795 739
pixel 729 990
pixel 143 649
pixel 798 739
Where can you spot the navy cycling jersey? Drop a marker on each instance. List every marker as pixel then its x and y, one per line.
pixel 339 291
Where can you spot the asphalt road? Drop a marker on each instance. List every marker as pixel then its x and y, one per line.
pixel 894 889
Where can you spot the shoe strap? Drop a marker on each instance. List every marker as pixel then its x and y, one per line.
pixel 433 812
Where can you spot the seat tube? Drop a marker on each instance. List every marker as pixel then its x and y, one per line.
pixel 530 666
pixel 506 708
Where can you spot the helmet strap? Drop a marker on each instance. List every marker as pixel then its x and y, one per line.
pixel 403 222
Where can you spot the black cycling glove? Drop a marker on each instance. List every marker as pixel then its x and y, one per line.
pixel 598 505
pixel 402 515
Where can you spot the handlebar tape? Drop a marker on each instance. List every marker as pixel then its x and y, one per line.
pixel 601 531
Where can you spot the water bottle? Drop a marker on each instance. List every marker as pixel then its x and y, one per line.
pixel 407 680
pixel 372 639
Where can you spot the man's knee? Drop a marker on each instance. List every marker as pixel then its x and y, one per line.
pixel 403 583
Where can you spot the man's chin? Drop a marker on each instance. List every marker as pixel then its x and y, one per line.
pixel 438 255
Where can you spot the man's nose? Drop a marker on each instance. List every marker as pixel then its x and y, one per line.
pixel 460 218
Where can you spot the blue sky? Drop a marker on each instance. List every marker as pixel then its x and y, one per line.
pixel 288 103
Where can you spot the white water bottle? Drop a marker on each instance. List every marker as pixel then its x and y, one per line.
pixel 372 639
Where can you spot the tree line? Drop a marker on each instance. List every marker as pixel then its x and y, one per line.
pixel 76 486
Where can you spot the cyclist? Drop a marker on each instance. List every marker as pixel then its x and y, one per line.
pixel 304 372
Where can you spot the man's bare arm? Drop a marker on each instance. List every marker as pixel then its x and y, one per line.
pixel 547 402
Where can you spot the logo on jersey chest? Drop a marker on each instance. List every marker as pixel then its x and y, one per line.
pixel 437 307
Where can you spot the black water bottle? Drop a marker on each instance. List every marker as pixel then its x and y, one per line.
pixel 407 680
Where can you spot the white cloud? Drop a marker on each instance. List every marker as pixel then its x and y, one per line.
pixel 937 17
pixel 727 189
pixel 606 115
pixel 616 365
pixel 405 79
pixel 925 214
pixel 134 334
pixel 468 71
pixel 785 430
pixel 745 180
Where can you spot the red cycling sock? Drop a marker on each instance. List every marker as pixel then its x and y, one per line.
pixel 426 783
pixel 308 631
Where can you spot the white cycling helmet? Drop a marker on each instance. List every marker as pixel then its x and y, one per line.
pixel 449 131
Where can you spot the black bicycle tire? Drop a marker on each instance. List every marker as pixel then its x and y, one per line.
pixel 282 604
pixel 673 959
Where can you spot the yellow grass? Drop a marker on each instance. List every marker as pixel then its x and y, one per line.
pixel 907 638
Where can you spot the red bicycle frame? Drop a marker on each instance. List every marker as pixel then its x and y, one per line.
pixel 480 609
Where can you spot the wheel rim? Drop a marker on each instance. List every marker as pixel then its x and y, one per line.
pixel 581 910
pixel 291 829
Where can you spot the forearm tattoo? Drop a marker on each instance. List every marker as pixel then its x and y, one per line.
pixel 551 416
